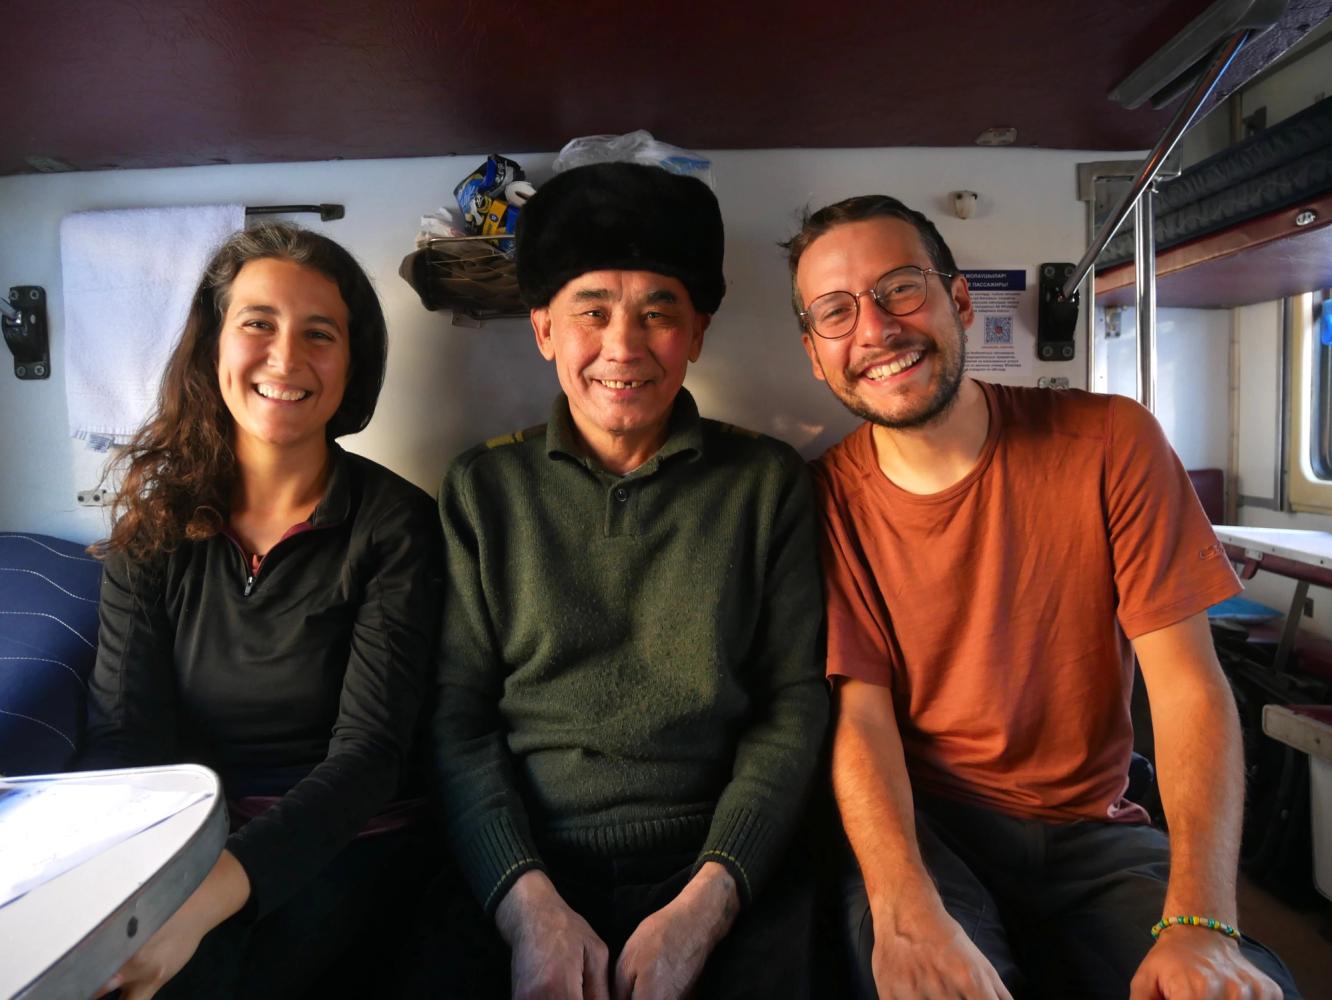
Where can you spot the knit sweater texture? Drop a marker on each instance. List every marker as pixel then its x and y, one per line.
pixel 632 663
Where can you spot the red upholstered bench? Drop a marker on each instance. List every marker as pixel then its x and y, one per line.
pixel 1210 485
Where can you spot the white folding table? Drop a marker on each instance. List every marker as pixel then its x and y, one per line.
pixel 68 936
pixel 1303 556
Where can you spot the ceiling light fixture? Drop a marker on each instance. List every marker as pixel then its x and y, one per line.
pixel 1000 135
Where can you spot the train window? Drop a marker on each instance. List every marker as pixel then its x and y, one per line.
pixel 1309 454
pixel 1320 441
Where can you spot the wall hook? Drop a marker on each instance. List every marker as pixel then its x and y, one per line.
pixel 23 318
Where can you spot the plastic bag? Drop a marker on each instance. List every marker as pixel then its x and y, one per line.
pixel 634 147
pixel 481 197
pixel 439 224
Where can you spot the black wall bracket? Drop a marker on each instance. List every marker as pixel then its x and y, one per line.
pixel 24 323
pixel 1056 316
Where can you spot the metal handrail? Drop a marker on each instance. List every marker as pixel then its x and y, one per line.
pixel 1151 166
pixel 1144 231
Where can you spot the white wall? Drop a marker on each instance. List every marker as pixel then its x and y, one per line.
pixel 1192 378
pixel 1258 360
pixel 448 387
pixel 1193 384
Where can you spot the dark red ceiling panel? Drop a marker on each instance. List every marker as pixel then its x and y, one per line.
pixel 148 83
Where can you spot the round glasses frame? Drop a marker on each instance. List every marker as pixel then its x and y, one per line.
pixel 880 292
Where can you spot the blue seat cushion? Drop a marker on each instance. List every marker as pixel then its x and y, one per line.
pixel 1241 609
pixel 48 640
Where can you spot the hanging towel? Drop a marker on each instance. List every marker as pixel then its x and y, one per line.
pixel 129 276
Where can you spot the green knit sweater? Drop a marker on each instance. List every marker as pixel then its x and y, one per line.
pixel 628 664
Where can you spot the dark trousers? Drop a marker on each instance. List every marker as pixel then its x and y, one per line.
pixel 341 933
pixel 765 955
pixel 1059 910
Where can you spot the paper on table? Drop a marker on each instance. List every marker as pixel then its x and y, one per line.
pixel 49 827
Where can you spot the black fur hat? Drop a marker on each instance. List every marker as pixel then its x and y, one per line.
pixel 621 217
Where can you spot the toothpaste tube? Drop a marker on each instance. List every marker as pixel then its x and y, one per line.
pixel 497 217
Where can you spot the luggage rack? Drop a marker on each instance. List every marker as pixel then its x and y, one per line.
pixel 471 275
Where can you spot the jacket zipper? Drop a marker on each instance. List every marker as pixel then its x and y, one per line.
pixel 250 578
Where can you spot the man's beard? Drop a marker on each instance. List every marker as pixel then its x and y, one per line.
pixel 938 404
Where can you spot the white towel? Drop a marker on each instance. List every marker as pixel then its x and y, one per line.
pixel 129 276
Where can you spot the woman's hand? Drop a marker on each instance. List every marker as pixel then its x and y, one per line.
pixel 223 892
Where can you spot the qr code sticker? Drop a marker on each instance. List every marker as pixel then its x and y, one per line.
pixel 999 329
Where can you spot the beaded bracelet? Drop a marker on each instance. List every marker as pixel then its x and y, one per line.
pixel 1208 922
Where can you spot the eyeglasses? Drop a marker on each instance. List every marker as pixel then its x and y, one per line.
pixel 898 293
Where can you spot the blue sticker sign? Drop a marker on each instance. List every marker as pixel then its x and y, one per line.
pixel 998 341
pixel 996 281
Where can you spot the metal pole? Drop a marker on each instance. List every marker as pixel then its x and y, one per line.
pixel 8 311
pixel 1093 350
pixel 1145 271
pixel 1156 158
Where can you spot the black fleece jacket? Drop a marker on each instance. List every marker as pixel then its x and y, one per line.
pixel 303 682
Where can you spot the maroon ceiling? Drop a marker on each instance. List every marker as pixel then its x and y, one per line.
pixel 97 84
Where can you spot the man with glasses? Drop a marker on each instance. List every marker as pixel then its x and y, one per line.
pixel 631 700
pixel 994 557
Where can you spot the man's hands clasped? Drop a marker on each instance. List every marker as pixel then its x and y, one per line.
pixel 558 956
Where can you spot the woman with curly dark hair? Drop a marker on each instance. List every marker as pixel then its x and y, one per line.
pixel 269 607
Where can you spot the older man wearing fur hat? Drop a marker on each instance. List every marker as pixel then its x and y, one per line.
pixel 630 703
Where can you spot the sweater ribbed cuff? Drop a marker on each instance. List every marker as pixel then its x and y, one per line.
pixel 746 843
pixel 493 856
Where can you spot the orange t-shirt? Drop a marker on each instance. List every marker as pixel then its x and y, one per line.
pixel 999 611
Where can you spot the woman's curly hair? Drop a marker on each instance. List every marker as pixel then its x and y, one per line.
pixel 181 466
